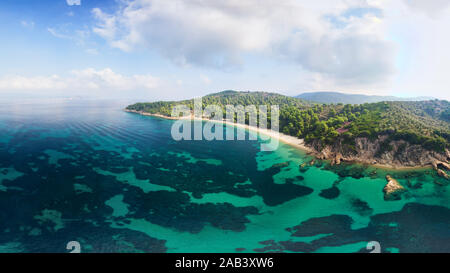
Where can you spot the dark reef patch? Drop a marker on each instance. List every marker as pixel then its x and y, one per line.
pixel 361 207
pixel 400 230
pixel 330 193
pixel 98 238
pixel 328 224
pixel 174 210
pixel 347 170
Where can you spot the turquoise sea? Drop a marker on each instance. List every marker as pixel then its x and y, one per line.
pixel 86 171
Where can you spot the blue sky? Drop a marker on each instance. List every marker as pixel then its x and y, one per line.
pixel 159 49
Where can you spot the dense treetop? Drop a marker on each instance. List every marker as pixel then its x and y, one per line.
pixel 222 99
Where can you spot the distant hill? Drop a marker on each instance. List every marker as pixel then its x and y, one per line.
pixel 337 97
pixel 227 97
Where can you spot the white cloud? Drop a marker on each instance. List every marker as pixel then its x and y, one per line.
pixel 107 24
pixel 57 34
pixel 432 8
pixel 331 37
pixel 27 24
pixel 17 82
pixel 422 57
pixel 80 37
pixel 73 2
pixel 80 80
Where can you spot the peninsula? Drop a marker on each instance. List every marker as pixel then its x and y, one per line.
pixel 398 134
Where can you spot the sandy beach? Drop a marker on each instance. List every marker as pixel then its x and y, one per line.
pixel 290 140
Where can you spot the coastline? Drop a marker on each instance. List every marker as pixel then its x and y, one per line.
pixel 290 140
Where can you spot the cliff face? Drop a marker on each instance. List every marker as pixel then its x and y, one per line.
pixel 399 153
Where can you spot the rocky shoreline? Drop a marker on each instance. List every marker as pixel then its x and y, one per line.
pixel 412 157
pixel 401 156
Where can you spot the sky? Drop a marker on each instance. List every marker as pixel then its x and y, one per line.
pixel 177 49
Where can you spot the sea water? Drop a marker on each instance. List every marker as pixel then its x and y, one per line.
pixel 86 171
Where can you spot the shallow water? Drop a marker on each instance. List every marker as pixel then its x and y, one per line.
pixel 117 182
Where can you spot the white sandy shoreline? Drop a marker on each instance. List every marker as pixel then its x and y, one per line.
pixel 290 140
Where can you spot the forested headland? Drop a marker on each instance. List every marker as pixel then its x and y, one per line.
pixel 405 133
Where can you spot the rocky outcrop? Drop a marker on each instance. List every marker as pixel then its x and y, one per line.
pixel 393 189
pixel 337 159
pixel 370 151
pixel 443 165
pixel 442 174
pixel 434 164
